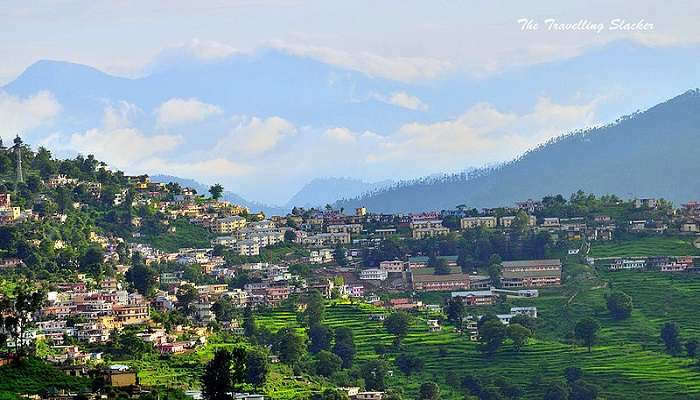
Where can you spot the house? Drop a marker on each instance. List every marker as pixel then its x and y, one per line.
pixel 507 221
pixel 476 297
pixel 172 348
pixel 531 273
pixel 404 304
pixel 627 264
pixel 424 282
pixel 428 228
pixel 422 261
pixel 690 226
pixel 392 266
pixel 227 225
pixel 373 274
pixel 646 202
pixel 120 376
pixel 434 325
pixel 529 311
pixel 354 229
pixel 326 239
pixel 368 396
pixel 473 222
pixel 550 223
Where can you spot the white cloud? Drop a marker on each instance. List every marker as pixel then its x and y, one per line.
pixel 481 135
pixel 402 99
pixel 181 111
pixel 254 136
pixel 342 135
pixel 203 170
pixel 18 115
pixel 405 69
pixel 208 50
pixel 123 147
pixel 119 115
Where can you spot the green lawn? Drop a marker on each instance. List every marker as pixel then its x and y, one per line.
pixel 648 246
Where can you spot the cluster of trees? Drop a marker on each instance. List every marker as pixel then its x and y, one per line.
pixel 673 343
pixel 574 387
pixel 493 333
pixel 231 370
pixel 16 313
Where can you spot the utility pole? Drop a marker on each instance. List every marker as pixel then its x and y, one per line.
pixel 18 152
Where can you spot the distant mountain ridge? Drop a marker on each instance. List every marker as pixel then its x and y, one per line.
pixel 322 191
pixel 202 188
pixel 652 153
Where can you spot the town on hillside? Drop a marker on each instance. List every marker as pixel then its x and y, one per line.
pixel 116 286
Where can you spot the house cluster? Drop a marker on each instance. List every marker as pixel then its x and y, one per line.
pixel 247 239
pixel 89 315
pixel 10 214
pixel 655 263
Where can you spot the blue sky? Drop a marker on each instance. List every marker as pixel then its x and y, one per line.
pixel 405 88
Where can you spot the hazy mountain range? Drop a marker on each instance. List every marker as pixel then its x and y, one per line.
pixel 648 154
pixel 270 125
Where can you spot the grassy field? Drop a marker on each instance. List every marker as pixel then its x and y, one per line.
pixel 34 376
pixel 627 362
pixel 648 246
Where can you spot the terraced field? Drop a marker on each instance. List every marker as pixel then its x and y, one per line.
pixel 648 246
pixel 627 362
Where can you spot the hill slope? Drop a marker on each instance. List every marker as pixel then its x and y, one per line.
pixel 322 191
pixel 653 153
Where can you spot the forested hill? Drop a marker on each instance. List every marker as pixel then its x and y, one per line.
pixel 655 153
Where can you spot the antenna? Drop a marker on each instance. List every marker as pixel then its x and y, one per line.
pixel 18 152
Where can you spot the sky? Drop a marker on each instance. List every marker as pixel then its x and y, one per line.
pixel 419 47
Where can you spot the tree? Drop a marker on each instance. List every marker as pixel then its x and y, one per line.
pixel 289 345
pixel 519 335
pixel 397 324
pixel 224 309
pixel 216 191
pixel 572 374
pixel 91 261
pixel 439 266
pixel 257 368
pixel 455 311
pixel 691 346
pixel 216 380
pixel 409 363
pixel 495 274
pixel 327 363
pixel 581 390
pixel 525 320
pixel 473 384
pixel 374 374
pixel 186 295
pixel 141 276
pixel 429 391
pixel 315 308
pixel 556 391
pixel 491 335
pixel 586 330
pixel 18 313
pixel 320 338
pixel 249 328
pixel 289 235
pixel 619 304
pixel 344 346
pixel 670 334
pixel 340 255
